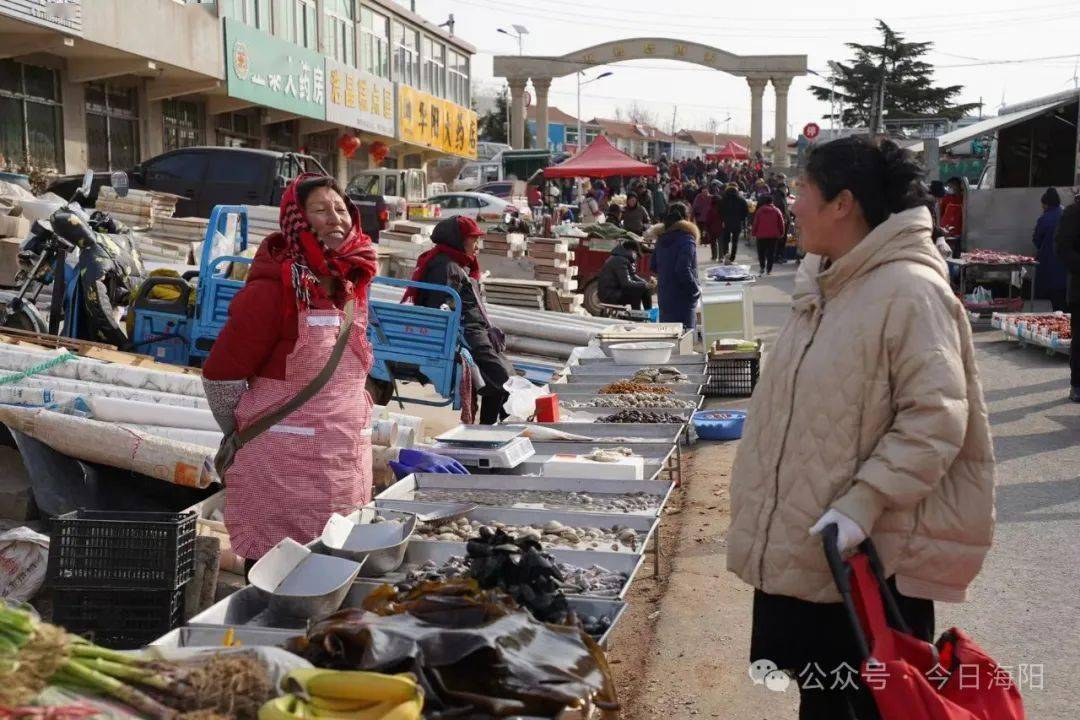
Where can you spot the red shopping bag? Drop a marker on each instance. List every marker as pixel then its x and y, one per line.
pixel 910 679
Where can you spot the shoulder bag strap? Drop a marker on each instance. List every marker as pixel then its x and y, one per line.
pixel 318 383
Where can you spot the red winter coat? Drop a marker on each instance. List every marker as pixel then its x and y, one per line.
pixel 261 330
pixel 768 222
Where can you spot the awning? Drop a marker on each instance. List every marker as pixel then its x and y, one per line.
pixel 600 159
pixel 984 127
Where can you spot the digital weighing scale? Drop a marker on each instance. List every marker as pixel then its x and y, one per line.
pixel 485 448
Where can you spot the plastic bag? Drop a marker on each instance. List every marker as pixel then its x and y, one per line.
pixel 24 558
pixel 521 405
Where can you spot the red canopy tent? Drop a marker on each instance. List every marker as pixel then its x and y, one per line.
pixel 731 151
pixel 600 159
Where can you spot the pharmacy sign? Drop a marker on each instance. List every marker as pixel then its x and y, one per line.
pixel 274 73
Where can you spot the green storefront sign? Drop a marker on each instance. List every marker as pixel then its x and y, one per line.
pixel 274 73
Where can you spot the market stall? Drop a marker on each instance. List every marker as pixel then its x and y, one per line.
pixel 543 538
pixel 1049 331
pixel 992 266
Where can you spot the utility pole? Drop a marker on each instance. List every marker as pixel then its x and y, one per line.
pixel 674 114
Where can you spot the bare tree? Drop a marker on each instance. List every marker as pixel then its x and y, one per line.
pixel 636 114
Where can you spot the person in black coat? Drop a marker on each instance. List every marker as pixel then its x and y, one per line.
pixel 674 263
pixel 734 210
pixel 618 282
pixel 1067 249
pixel 453 262
pixel 780 199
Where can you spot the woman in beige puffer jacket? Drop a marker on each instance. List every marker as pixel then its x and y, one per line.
pixel 869 415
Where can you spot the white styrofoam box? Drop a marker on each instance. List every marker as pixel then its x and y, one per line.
pixel 578 466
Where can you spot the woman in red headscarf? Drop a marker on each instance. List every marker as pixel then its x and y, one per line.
pixel 282 328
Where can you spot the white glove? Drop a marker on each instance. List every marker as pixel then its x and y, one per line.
pixel 943 248
pixel 848 535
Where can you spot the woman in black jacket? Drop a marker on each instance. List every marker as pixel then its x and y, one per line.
pixel 453 262
pixel 618 282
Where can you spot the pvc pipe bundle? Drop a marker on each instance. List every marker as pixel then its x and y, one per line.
pixel 535 332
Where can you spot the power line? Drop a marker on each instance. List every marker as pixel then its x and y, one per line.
pixel 624 22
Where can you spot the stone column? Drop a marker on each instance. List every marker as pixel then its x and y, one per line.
pixel 541 86
pixel 780 155
pixel 517 113
pixel 757 90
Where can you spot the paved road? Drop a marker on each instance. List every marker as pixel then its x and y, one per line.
pixel 1024 608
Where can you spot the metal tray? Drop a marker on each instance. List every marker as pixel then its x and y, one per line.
pixel 582 397
pixel 604 374
pixel 214 636
pixel 247 612
pixel 656 455
pixel 439 552
pixel 625 371
pixel 588 391
pixel 402 491
pixel 593 388
pixel 642 524
pixel 376 561
pixel 676 360
pixel 626 433
pixel 594 413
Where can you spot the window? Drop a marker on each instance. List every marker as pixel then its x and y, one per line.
pixel 256 13
pixel 238 129
pixel 340 31
pixel 112 126
pixel 183 124
pixel 242 169
pixel 406 47
pixel 178 168
pixel 282 136
pixel 298 23
pixel 434 74
pixel 458 78
pixel 374 43
pixel 31 124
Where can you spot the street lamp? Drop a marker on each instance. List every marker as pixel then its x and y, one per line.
pixel 580 129
pixel 520 31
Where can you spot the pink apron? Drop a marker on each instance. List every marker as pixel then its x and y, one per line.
pixel 288 481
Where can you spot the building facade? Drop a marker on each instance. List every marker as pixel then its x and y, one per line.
pixel 104 84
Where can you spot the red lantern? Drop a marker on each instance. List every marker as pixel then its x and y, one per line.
pixel 378 151
pixel 348 144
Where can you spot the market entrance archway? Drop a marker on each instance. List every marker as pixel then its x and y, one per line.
pixel 757 69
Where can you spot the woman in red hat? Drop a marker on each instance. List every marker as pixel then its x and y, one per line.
pixel 282 328
pixel 453 262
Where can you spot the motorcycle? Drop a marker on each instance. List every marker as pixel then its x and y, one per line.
pixel 91 263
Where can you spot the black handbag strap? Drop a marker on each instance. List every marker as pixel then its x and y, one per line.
pixel 312 389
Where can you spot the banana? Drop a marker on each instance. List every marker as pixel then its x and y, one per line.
pixel 280 708
pixel 338 706
pixel 408 710
pixel 358 685
pixel 372 712
pixel 303 710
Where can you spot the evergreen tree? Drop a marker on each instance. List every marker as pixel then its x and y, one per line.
pixel 493 126
pixel 909 92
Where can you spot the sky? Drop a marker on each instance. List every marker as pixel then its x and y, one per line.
pixel 976 44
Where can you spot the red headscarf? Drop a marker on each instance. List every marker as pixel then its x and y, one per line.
pixel 304 259
pixel 449 238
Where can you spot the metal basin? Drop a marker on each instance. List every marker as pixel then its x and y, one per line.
pixel 379 546
pixel 301 584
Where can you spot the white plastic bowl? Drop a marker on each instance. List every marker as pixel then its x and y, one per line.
pixel 642 353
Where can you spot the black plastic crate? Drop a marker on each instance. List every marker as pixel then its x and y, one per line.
pixel 732 376
pixel 122 550
pixel 118 619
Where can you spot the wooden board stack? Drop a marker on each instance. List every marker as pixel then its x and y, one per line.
pixel 262 221
pixel 553 262
pixel 139 208
pixel 172 239
pixel 510 245
pixel 532 294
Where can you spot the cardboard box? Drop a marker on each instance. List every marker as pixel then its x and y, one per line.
pixel 9 260
pixel 14 227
